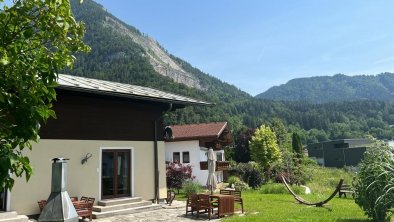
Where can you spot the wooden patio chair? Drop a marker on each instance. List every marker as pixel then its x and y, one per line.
pixel 192 203
pixel 83 198
pixel 205 204
pixel 41 204
pixel 237 196
pixel 84 210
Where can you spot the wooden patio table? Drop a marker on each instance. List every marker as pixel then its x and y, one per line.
pixel 225 204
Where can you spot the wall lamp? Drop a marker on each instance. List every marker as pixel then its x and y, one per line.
pixel 85 158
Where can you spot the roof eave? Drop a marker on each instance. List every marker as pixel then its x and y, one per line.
pixel 221 130
pixel 146 98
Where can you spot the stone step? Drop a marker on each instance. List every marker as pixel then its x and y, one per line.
pixel 118 201
pixel 97 215
pixel 17 218
pixel 121 206
pixel 5 215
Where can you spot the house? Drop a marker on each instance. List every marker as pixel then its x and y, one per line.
pixel 190 143
pixel 112 134
pixel 390 143
pixel 339 153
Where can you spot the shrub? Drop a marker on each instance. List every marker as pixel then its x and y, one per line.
pixel 255 178
pixel 191 187
pixel 277 188
pixel 374 185
pixel 232 180
pixel 177 174
pixel 250 173
pixel 292 168
pixel 240 185
pixel 306 161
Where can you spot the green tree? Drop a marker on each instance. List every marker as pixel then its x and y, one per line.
pixel 280 131
pixel 242 150
pixel 297 145
pixel 374 185
pixel 264 148
pixel 38 38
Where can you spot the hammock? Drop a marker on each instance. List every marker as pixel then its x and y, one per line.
pixel 318 204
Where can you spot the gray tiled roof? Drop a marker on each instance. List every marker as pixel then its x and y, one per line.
pixel 77 83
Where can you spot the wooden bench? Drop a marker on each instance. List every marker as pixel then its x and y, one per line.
pixel 345 188
pixel 237 196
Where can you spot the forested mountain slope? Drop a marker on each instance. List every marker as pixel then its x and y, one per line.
pixel 122 53
pixel 333 89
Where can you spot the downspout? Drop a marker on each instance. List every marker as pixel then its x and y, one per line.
pixel 156 157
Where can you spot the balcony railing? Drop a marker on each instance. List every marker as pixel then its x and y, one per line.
pixel 220 165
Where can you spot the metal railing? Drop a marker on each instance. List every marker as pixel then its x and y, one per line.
pixel 220 165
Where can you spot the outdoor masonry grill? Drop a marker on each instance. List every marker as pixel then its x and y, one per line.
pixel 59 206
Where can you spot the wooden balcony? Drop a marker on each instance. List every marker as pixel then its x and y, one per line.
pixel 220 165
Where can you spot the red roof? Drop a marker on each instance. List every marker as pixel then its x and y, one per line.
pixel 197 130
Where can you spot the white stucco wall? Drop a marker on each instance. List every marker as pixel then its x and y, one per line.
pixel 197 154
pixel 84 180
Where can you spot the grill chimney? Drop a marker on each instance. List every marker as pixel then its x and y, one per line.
pixel 59 206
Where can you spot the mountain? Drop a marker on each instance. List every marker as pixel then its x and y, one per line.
pixel 333 89
pixel 122 53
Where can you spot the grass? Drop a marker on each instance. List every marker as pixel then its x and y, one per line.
pixel 283 207
pixel 278 188
pixel 324 180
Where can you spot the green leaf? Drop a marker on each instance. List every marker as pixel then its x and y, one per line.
pixel 28 33
pixel 4 60
pixel 52 113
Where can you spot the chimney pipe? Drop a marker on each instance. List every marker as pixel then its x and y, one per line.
pixel 59 206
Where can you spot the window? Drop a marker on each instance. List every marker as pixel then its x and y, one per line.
pixel 219 157
pixel 185 157
pixel 176 157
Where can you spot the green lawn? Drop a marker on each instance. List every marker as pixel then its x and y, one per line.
pixel 283 207
pixel 261 207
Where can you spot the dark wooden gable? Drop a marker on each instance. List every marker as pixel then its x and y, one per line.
pixel 218 143
pixel 86 116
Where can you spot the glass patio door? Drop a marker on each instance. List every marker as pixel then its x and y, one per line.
pixel 115 174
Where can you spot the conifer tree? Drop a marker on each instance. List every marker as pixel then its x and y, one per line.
pixel 297 145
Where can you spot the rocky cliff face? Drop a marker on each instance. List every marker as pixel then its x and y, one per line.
pixel 159 59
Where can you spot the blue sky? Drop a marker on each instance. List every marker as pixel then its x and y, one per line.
pixel 259 44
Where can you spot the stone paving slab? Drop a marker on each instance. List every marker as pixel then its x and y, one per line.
pixel 175 212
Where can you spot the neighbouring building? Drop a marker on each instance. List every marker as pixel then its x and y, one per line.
pixel 189 144
pixel 339 153
pixel 113 135
pixel 390 143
